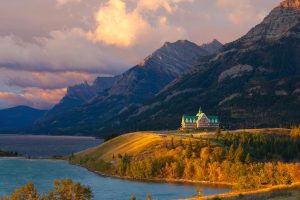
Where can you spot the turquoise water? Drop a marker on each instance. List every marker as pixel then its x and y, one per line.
pixel 17 172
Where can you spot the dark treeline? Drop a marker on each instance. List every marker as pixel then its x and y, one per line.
pixel 265 147
pixel 8 154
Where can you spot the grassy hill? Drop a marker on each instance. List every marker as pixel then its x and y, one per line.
pixel 245 159
pixel 133 143
pixel 137 144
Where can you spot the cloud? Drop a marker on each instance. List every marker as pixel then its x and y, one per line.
pixel 116 26
pixel 62 51
pixel 33 97
pixel 144 5
pixel 239 12
pixel 43 80
pixel 153 5
pixel 119 26
pixel 64 2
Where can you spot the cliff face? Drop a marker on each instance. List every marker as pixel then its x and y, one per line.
pixel 290 4
pixel 278 24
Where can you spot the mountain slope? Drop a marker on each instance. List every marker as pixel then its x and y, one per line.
pixel 253 82
pixel 130 89
pixel 77 95
pixel 20 117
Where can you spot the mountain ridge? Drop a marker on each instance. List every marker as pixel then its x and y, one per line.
pixel 253 82
pixel 131 88
pixel 18 118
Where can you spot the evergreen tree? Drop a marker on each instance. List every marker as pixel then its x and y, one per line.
pixel 218 134
pixel 172 143
pixel 189 150
pixel 230 154
pixel 248 159
pixel 239 154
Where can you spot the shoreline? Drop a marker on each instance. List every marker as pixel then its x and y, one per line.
pixel 259 192
pixel 161 180
pixel 57 136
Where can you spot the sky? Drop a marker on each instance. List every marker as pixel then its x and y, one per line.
pixel 48 45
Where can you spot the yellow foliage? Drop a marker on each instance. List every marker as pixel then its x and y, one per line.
pixel 295 132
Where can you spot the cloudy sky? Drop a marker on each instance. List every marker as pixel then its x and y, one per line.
pixel 47 45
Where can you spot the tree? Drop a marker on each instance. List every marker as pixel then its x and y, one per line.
pixel 26 192
pixel 295 132
pixel 66 189
pixel 230 154
pixel 248 159
pixel 63 190
pixel 189 150
pixel 149 197
pixel 239 154
pixel 172 143
pixel 218 134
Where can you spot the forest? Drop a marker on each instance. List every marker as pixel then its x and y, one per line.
pixel 243 160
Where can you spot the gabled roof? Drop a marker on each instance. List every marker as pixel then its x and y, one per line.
pixel 201 115
pixel 189 118
pixel 213 118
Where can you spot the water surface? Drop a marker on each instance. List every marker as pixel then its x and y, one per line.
pixel 17 172
pixel 46 146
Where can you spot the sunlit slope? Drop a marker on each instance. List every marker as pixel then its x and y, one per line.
pixel 132 144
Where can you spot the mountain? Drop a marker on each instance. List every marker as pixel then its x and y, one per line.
pixel 79 94
pixel 17 118
pixel 212 47
pixel 92 113
pixel 253 82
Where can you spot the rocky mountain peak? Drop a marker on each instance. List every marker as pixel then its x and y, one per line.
pixel 280 23
pixel 290 4
pixel 212 47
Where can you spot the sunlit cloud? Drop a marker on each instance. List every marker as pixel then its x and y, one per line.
pixel 63 2
pixel 34 97
pixel 44 80
pixel 241 11
pixel 117 25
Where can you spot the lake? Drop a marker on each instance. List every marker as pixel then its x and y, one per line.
pixel 42 146
pixel 15 172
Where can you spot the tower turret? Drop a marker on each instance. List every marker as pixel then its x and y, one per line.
pixel 199 112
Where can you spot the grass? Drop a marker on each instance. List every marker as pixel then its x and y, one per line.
pixel 130 144
pixel 281 192
pixel 278 131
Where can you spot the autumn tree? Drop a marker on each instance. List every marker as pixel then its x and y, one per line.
pixel 63 190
